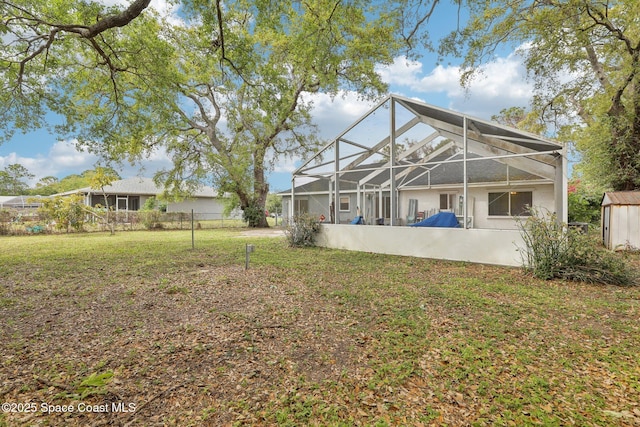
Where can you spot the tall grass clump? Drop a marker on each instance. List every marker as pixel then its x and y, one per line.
pixel 553 250
pixel 302 230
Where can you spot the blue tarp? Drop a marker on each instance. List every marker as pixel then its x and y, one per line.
pixel 358 220
pixel 442 219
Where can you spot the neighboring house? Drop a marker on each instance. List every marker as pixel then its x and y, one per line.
pixel 428 163
pixel 132 193
pixel 19 202
pixel 621 220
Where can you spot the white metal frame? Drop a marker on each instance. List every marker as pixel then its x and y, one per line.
pixel 490 141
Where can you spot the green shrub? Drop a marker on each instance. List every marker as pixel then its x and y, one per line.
pixel 150 219
pixel 66 211
pixel 151 213
pixel 555 251
pixel 584 208
pixel 253 215
pixel 152 203
pixel 584 202
pixel 6 217
pixel 302 230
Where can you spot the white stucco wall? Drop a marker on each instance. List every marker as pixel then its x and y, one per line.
pixel 212 208
pixel 484 246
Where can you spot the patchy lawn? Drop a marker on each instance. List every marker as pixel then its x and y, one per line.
pixel 139 329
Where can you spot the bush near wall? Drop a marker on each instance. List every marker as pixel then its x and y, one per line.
pixel 302 231
pixel 554 250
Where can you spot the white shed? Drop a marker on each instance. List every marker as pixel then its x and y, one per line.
pixel 621 220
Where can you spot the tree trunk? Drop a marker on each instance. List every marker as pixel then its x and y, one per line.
pixel 106 203
pixel 261 190
pixel 625 143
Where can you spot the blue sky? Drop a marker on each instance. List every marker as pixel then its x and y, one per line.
pixel 502 85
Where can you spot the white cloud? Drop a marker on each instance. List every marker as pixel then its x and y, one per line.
pixel 61 160
pixel 64 155
pixel 286 166
pixel 64 159
pixel 499 84
pixel 403 72
pixel 441 79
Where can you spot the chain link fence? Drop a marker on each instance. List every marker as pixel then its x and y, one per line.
pixel 31 221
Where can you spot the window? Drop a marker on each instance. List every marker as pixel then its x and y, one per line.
pixel 386 207
pixel 301 206
pixel 122 203
pixel 98 199
pixel 447 202
pixel 345 204
pixel 510 203
pixel 134 203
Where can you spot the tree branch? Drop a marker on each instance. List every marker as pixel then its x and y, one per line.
pixel 601 19
pixel 118 20
pixel 37 52
pixel 223 57
pixel 88 32
pixel 419 23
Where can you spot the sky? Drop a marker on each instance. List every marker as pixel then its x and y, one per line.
pixel 502 85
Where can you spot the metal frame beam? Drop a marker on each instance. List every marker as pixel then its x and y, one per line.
pixel 527 152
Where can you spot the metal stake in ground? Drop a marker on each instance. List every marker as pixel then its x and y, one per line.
pixel 248 249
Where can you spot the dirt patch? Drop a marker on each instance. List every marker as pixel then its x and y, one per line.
pixel 263 232
pixel 162 334
pixel 211 335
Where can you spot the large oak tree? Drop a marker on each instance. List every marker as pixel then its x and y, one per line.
pixel 225 89
pixel 584 57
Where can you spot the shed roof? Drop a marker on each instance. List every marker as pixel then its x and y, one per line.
pixel 621 198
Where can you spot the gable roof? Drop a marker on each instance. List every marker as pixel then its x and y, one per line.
pixel 138 186
pixel 621 198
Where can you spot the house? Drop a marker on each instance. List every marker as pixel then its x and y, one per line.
pixel 132 193
pixel 502 171
pixel 497 193
pixel 621 220
pixel 405 160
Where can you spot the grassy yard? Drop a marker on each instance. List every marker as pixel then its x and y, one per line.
pixel 140 329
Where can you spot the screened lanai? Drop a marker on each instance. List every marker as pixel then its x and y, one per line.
pixel 405 160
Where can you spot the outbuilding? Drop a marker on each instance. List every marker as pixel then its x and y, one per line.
pixel 621 220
